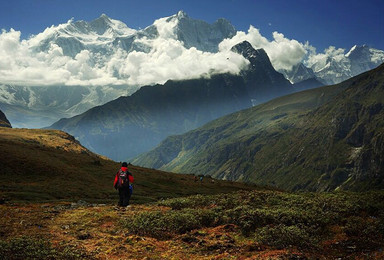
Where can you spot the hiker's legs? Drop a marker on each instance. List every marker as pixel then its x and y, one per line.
pixel 126 196
pixel 121 197
pixel 129 195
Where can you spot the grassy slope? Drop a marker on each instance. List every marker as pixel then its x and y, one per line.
pixel 206 148
pixel 40 165
pixel 292 142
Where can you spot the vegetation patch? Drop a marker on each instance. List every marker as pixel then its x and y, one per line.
pixel 305 221
pixel 39 248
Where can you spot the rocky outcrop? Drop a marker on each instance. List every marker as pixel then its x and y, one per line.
pixel 4 121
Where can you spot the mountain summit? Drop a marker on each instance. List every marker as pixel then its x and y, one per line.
pixel 262 80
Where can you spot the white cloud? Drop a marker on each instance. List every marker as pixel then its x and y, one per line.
pixel 21 62
pixel 26 62
pixel 317 61
pixel 283 53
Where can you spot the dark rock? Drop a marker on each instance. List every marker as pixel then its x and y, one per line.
pixel 4 121
pixel 84 236
pixel 356 137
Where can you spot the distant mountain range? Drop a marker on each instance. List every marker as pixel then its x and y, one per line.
pixel 324 139
pixel 131 125
pixel 335 69
pixel 95 47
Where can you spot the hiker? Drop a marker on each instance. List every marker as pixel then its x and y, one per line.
pixel 123 183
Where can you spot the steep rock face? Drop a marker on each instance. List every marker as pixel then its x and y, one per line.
pixel 4 121
pixel 262 80
pixel 323 139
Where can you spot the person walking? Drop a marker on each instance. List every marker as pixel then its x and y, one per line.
pixel 123 183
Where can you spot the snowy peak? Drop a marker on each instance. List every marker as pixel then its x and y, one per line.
pixel 182 15
pixel 358 50
pixel 365 53
pixel 200 34
pixel 299 73
pixel 335 66
pixel 101 24
pixel 75 36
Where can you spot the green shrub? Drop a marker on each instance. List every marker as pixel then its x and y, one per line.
pixel 189 202
pixel 282 236
pixel 164 224
pixel 36 248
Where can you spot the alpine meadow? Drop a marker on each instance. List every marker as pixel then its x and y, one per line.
pixel 191 138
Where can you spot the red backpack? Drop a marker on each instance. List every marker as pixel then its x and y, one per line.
pixel 123 179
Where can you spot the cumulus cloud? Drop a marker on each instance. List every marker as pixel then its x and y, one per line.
pixel 39 61
pixel 283 52
pixel 317 61
pixel 23 62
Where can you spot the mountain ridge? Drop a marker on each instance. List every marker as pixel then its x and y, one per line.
pixel 316 140
pixel 155 112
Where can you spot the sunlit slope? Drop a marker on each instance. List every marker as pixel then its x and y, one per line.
pixel 321 139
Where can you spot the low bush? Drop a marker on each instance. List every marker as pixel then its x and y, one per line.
pixel 165 224
pixel 36 248
pixel 275 218
pixel 282 236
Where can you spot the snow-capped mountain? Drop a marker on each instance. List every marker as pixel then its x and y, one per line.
pixel 299 73
pixel 364 58
pixel 334 69
pixel 73 37
pixel 98 61
pixel 71 67
pixel 105 35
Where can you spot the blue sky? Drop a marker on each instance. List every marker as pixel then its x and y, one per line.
pixel 340 23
